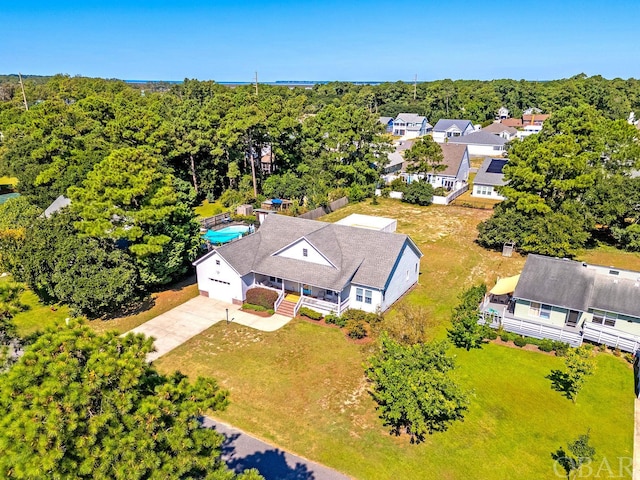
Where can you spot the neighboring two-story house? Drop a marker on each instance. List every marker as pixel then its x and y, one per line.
pixel 446 129
pixel 411 125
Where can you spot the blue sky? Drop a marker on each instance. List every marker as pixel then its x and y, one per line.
pixel 330 40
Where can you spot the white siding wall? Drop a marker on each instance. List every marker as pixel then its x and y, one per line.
pixel 376 298
pixel 219 281
pixel 492 192
pixel 465 165
pixel 403 277
pixel 296 251
pixel 557 316
pixel 439 137
pixel 484 150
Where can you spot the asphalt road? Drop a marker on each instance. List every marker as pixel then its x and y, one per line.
pixel 242 451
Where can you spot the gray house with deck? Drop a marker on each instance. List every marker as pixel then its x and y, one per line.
pixel 571 301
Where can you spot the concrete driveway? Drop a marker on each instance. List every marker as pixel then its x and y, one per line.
pixel 175 327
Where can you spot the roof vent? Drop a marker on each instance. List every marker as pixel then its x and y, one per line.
pixel 584 264
pixel 614 272
pixel 615 280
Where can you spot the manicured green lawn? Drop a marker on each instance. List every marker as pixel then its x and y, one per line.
pixel 38 316
pixel 303 389
pixel 206 209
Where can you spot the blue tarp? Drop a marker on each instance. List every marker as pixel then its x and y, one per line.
pixel 218 238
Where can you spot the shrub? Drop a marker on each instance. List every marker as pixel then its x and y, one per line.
pixel 307 312
pixel 504 337
pixel 262 296
pixel 617 352
pixel 490 333
pixel 361 316
pixel 420 193
pixel 356 329
pixel 629 358
pixel 248 219
pixel 440 191
pixel 398 185
pixel 545 345
pixel 561 348
pixel 257 308
pixel 335 320
pixel 520 341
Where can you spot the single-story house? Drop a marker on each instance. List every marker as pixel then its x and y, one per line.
pixel 456 173
pixel 446 129
pixel 387 122
pixel 489 177
pixel 502 130
pixel 411 125
pixel 323 266
pixel 570 301
pixel 481 143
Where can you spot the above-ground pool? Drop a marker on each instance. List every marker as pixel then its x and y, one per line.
pixel 227 234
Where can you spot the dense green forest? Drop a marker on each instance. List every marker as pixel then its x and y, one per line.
pixel 135 159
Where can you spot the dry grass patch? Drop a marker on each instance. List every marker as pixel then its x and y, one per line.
pixel 157 304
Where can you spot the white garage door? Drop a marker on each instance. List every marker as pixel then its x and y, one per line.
pixel 220 290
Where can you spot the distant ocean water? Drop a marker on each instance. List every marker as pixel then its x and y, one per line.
pixel 278 82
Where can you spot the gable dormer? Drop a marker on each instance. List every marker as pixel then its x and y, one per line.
pixel 303 250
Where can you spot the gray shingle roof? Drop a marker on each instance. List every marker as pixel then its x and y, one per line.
pixel 452 158
pixel 497 128
pixel 618 295
pixel 563 283
pixel 479 138
pixel 483 177
pixel 410 118
pixel 58 204
pixel 574 285
pixel 385 120
pixel 362 256
pixel 446 123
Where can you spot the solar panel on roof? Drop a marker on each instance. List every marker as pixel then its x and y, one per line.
pixel 496 166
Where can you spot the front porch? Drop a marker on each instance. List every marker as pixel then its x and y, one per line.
pixel 304 295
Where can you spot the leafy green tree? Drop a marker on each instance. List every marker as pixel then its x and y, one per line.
pixel 286 185
pixel 579 364
pixel 16 214
pixel 10 304
pixel 82 405
pixel 413 388
pixel 579 453
pixel 93 277
pixel 131 197
pixel 425 156
pixel 465 332
pixel 418 192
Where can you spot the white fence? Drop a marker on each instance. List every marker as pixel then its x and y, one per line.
pixel 611 337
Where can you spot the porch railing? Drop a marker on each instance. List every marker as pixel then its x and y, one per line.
pixel 321 304
pixel 611 337
pixel 297 307
pixel 278 301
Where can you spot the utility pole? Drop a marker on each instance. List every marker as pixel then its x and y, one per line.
pixel 415 86
pixel 256 84
pixel 24 96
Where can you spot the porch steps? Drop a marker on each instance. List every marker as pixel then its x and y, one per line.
pixel 286 308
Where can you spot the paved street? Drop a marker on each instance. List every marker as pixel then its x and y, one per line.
pixel 175 327
pixel 242 451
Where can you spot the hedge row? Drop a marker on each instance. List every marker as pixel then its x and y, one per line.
pixel 262 296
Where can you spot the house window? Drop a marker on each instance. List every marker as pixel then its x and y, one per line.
pixel 367 296
pixel 358 294
pixel 540 310
pixel 305 252
pixel 534 309
pixel 604 318
pixel 217 262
